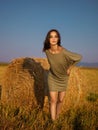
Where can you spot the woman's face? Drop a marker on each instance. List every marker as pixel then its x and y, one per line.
pixel 53 39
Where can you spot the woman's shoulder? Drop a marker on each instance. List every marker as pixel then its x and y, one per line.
pixel 64 49
pixel 67 51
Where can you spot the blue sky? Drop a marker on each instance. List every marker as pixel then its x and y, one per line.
pixel 25 23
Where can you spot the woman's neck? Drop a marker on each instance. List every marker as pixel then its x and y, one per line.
pixel 54 47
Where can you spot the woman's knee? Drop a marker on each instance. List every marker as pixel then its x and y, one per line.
pixel 53 100
pixel 60 100
pixel 61 97
pixel 53 97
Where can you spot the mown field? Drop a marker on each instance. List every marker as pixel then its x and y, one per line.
pixel 80 109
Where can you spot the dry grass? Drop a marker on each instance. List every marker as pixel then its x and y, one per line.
pixel 2 71
pixel 80 108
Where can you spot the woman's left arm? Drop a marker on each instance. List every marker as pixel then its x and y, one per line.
pixel 73 59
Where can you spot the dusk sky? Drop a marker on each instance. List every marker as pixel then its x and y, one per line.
pixel 25 23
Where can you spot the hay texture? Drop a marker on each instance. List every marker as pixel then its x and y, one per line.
pixel 73 96
pixel 24 83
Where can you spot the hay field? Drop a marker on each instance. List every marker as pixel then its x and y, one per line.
pixel 2 70
pixel 80 109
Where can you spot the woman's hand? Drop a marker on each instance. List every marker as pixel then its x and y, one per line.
pixel 69 70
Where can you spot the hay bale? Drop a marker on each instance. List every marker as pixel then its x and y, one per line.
pixel 74 90
pixel 23 84
pixel 44 62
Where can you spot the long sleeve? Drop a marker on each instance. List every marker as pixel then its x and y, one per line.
pixel 73 58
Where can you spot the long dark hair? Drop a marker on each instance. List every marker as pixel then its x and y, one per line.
pixel 47 43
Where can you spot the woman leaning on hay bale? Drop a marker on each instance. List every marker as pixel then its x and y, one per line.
pixel 61 61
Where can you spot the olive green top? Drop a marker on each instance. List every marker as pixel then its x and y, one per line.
pixel 59 63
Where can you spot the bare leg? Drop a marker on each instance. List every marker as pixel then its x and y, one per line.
pixel 53 104
pixel 60 102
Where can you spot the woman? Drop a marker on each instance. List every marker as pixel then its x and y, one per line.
pixel 60 60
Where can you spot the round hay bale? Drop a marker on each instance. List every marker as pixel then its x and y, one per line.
pixel 74 90
pixel 23 84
